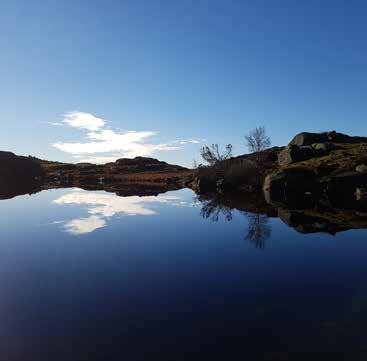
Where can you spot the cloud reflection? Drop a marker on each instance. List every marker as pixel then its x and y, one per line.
pixel 101 206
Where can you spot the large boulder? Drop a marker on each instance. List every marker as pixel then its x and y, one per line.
pixel 309 138
pixel 294 153
pixel 305 138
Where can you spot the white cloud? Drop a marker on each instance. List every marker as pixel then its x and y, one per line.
pixel 101 142
pixel 101 205
pixel 84 120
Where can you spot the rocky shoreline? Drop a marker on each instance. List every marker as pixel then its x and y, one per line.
pixel 318 182
pixel 320 168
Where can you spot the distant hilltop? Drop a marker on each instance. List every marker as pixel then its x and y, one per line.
pixel 19 174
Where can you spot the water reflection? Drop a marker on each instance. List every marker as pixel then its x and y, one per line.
pixel 303 217
pixel 258 229
pixel 212 209
pixel 100 206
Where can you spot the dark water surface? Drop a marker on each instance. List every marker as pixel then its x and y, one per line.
pixel 89 275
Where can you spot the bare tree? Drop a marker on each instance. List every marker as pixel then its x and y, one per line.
pixel 213 156
pixel 257 141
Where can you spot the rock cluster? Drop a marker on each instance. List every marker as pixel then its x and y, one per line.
pixel 305 146
pixel 305 138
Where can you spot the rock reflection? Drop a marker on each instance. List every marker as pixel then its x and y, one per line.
pixel 304 216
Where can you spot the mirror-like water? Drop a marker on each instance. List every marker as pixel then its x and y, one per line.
pixel 88 275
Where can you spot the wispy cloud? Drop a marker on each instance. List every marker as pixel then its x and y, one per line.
pixel 101 142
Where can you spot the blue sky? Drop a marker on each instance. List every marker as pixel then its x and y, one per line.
pixel 166 77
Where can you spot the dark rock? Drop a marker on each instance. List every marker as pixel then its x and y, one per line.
pixel 294 153
pixel 362 168
pixel 341 189
pixel 311 138
pixel 290 186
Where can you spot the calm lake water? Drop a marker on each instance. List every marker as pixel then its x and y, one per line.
pixel 89 275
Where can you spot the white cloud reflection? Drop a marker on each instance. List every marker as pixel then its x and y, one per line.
pixel 101 206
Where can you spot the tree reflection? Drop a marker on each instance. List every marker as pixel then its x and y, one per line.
pixel 258 229
pixel 211 209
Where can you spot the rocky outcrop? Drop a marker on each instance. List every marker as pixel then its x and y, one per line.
pixel 305 138
pixel 294 153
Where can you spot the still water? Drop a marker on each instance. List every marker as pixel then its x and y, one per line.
pixel 88 275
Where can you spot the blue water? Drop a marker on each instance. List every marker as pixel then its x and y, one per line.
pixel 92 276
